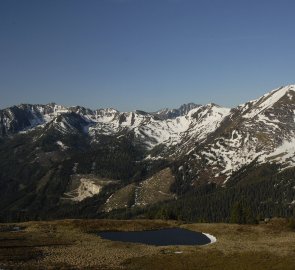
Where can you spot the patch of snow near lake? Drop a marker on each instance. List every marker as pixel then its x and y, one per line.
pixel 211 237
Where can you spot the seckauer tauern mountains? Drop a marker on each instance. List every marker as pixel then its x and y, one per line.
pixel 195 163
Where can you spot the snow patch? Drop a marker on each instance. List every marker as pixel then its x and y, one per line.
pixel 62 145
pixel 285 153
pixel 268 100
pixel 211 237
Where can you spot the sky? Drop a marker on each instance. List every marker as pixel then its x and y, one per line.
pixel 144 54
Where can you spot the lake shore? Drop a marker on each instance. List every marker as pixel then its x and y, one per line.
pixel 70 244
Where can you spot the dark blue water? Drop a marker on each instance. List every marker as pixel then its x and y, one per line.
pixel 163 237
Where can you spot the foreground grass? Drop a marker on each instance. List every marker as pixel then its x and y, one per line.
pixel 70 244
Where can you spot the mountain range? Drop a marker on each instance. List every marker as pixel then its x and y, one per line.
pixel 59 161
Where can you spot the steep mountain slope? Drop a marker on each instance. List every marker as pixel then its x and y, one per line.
pixel 262 130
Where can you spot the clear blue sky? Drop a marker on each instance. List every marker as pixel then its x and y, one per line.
pixel 144 54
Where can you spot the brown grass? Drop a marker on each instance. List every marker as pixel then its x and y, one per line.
pixel 67 244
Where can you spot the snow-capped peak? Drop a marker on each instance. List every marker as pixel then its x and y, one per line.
pixel 258 106
pixel 173 113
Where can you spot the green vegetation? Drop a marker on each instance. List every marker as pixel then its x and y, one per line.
pixel 260 194
pixel 242 214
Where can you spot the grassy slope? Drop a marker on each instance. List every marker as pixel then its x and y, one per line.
pixel 67 245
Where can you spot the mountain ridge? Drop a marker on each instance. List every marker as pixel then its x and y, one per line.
pixel 111 157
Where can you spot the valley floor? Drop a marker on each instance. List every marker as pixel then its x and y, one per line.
pixel 71 244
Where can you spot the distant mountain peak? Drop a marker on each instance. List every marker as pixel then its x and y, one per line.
pixel 173 113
